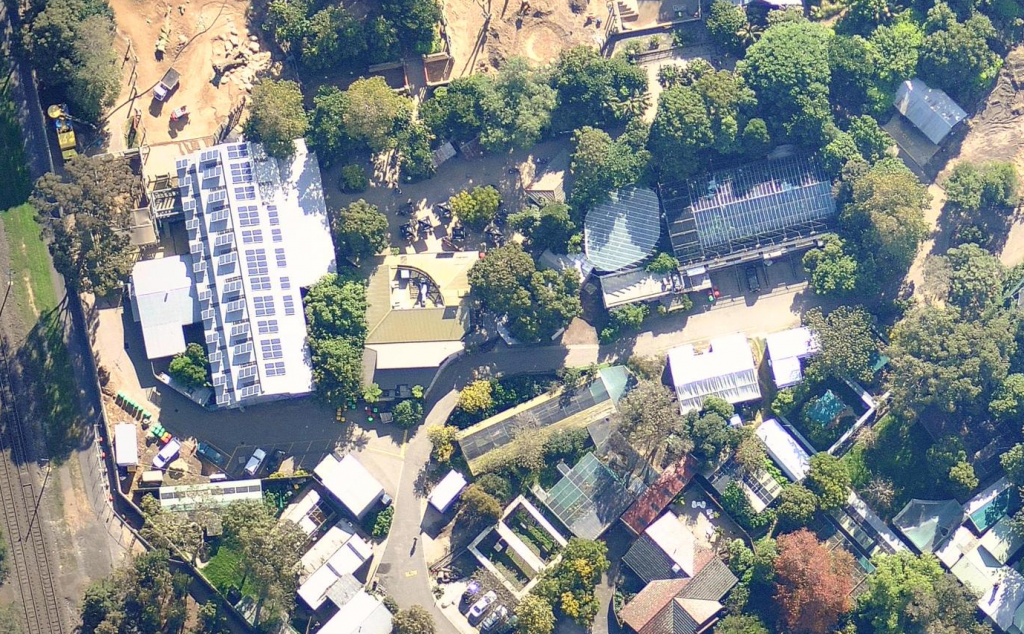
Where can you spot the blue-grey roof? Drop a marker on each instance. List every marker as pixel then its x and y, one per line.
pixel 588 499
pixel 622 230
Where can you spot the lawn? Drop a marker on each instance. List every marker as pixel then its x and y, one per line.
pixel 15 184
pixel 224 570
pixel 30 260
pixel 46 361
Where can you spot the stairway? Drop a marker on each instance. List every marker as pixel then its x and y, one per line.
pixel 627 10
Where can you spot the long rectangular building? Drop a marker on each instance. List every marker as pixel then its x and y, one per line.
pixel 258 232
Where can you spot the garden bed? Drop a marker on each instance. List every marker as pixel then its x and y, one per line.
pixel 533 534
pixel 505 561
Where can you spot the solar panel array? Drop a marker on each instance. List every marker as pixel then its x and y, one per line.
pixel 747 207
pixel 589 498
pixel 542 415
pixel 623 230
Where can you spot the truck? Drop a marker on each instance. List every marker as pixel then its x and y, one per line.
pixel 66 140
pixel 166 85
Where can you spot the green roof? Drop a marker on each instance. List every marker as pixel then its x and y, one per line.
pixel 926 523
pixel 825 409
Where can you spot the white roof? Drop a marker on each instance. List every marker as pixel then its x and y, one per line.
pixel 419 354
pixel 164 301
pixel 350 483
pixel 364 614
pixel 785 350
pixel 259 233
pixel 930 110
pixel 784 449
pixel 299 510
pixel 675 540
pixel 447 490
pixel 126 445
pixel 726 371
pixel 325 547
pixel 190 496
pixel 1001 602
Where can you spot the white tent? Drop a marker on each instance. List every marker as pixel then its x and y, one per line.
pixel 726 371
pixel 447 490
pixel 784 449
pixel 785 351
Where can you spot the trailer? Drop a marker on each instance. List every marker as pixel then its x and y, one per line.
pixel 167 84
pixel 126 446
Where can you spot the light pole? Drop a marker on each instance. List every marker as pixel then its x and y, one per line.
pixel 10 283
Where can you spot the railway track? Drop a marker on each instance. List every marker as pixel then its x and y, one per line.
pixel 31 562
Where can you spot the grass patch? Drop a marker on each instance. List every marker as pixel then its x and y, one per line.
pixel 15 183
pixel 224 570
pixel 47 365
pixel 30 261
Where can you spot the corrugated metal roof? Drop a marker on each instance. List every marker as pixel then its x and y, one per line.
pixel 931 110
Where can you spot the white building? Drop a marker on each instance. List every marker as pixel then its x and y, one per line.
pixel 258 232
pixel 791 457
pixel 786 350
pixel 726 371
pixel 350 483
pixel 447 491
pixel 126 445
pixel 338 553
pixel 189 497
pixel 362 614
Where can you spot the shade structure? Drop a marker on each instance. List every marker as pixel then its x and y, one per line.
pixel 622 230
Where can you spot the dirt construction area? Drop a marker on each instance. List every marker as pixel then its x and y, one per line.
pixel 484 33
pixel 199 36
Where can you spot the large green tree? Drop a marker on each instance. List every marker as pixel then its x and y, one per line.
pixel 789 70
pixel 944 366
pixel 594 90
pixel 415 23
pixel 366 115
pixel 535 303
pixel 600 165
pixel 569 584
pixel 534 616
pixel 969 278
pixel 517 112
pixel 846 343
pixel 337 370
pixel 833 270
pixel 956 56
pixel 647 415
pixel 143 596
pixel 455 112
pixel 829 478
pixel 360 231
pixel 87 211
pixel 336 307
pixel 701 120
pixel 277 116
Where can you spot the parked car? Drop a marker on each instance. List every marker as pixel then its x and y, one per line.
pixel 167 455
pixel 507 626
pixel 753 282
pixel 206 451
pixel 255 462
pixel 496 616
pixel 275 460
pixel 477 609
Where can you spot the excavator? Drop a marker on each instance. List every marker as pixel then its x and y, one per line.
pixel 65 130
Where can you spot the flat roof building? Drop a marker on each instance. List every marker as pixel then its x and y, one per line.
pixel 350 483
pixel 758 211
pixel 189 497
pixel 258 232
pixel 339 553
pixel 930 109
pixel 447 491
pixel 726 371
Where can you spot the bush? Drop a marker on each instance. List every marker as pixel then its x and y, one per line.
pixel 190 367
pixel 735 503
pixel 663 263
pixel 495 485
pixel 479 506
pixel 476 207
pixel 408 414
pixel 353 179
pixel 382 523
pixel 442 441
pixel 476 397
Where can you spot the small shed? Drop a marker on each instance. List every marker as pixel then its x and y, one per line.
pixel 350 483
pixel 447 491
pixel 126 445
pixel 931 110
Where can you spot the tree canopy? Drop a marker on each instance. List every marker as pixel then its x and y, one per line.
pixel 143 596
pixel 828 478
pixel 569 584
pixel 968 278
pixel 647 415
pixel 788 68
pixel 360 231
pixel 600 165
pixel 593 90
pixel 812 583
pixel 87 211
pixel 336 318
pixel 833 270
pixel 955 56
pixel 190 368
pixel 846 341
pixel 536 303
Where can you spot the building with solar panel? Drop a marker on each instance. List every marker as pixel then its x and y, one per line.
pixel 755 212
pixel 258 232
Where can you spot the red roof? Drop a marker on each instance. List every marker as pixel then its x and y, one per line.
pixel 659 495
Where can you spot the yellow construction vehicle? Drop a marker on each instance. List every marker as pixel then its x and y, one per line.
pixel 65 131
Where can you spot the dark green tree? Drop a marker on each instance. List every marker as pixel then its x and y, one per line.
pixel 969 278
pixel 833 270
pixel 276 116
pixel 408 414
pixel 828 478
pixel 569 584
pixel 594 90
pixel 726 23
pixel 740 624
pixel 336 308
pixel 1007 403
pixel 797 506
pixel 846 342
pixel 958 59
pixel 415 23
pixel 456 112
pixel 600 165
pixel 332 34
pixel 789 70
pixel 191 367
pixel 360 231
pixel 517 112
pixel 417 161
pixel 337 370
